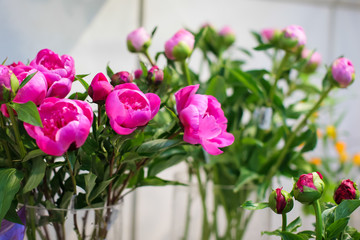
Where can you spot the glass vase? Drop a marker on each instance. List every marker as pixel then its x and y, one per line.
pixel 68 224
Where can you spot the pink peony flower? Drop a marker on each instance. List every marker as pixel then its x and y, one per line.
pixel 99 88
pixel 138 40
pixel 138 73
pixel 5 83
pixel 58 70
pixel 297 33
pixel 155 75
pixel 121 78
pixel 35 90
pixel 128 108
pixel 343 72
pixel 66 124
pixel 203 120
pixel 346 190
pixel 180 46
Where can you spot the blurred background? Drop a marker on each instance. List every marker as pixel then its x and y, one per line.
pixel 94 33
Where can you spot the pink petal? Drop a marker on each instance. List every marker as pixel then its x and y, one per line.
pixel 183 95
pixel 119 129
pixel 208 128
pixel 131 86
pixel 154 103
pixel 211 147
pixel 190 117
pixel 114 108
pixel 60 88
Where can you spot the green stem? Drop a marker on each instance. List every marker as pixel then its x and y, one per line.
pixel 16 131
pixel 71 172
pixel 5 143
pixel 318 226
pixel 292 136
pixel 146 53
pixel 284 224
pixel 99 115
pixel 205 229
pixel 278 75
pixel 186 72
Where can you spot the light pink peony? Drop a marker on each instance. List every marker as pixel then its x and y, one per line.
pixel 297 33
pixel 343 72
pixel 66 124
pixel 58 70
pixel 99 88
pixel 203 120
pixel 180 46
pixel 128 108
pixel 138 40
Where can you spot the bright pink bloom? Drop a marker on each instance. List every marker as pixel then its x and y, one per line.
pixel 5 83
pixel 128 108
pixel 58 70
pixel 180 46
pixel 297 33
pixel 203 120
pixel 343 72
pixel 346 190
pixel 138 40
pixel 35 90
pixel 138 73
pixel 99 88
pixel 66 124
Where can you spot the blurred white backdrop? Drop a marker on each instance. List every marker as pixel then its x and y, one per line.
pixel 94 33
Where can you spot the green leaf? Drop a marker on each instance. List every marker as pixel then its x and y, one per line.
pixel 12 215
pixel 27 79
pixel 109 71
pixel 250 205
pixel 156 146
pixel 292 236
pixel 252 141
pixel 159 166
pixel 245 177
pixel 294 225
pixel 153 32
pixel 199 36
pixel 27 112
pixel 336 228
pixel 10 180
pixel 33 154
pixel 262 47
pixel 82 81
pixel 90 182
pixel 217 88
pixel 72 159
pixel 246 80
pixel 3 62
pixel 155 181
pixel 79 96
pixel 345 208
pixel 99 189
pixel 36 175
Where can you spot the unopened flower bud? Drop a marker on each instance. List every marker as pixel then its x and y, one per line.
pixel 227 36
pixel 280 201
pixel 180 46
pixel 314 60
pixel 346 190
pixel 270 35
pixel 99 88
pixel 120 78
pixel 309 187
pixel 343 72
pixel 293 38
pixel 155 75
pixel 8 84
pixel 138 73
pixel 138 40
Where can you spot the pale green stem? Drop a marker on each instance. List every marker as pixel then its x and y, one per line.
pixel 16 131
pixel 318 225
pixel 205 229
pixel 186 72
pixel 283 228
pixel 278 75
pixel 146 53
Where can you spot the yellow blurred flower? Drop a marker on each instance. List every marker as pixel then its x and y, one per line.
pixel 356 159
pixel 331 131
pixel 343 157
pixel 340 147
pixel 316 161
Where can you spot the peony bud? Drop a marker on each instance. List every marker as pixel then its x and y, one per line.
pixel 346 190
pixel 309 187
pixel 180 46
pixel 121 78
pixel 99 88
pixel 314 60
pixel 227 36
pixel 343 72
pixel 155 75
pixel 138 40
pixel 270 35
pixel 293 38
pixel 8 84
pixel 280 201
pixel 138 73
